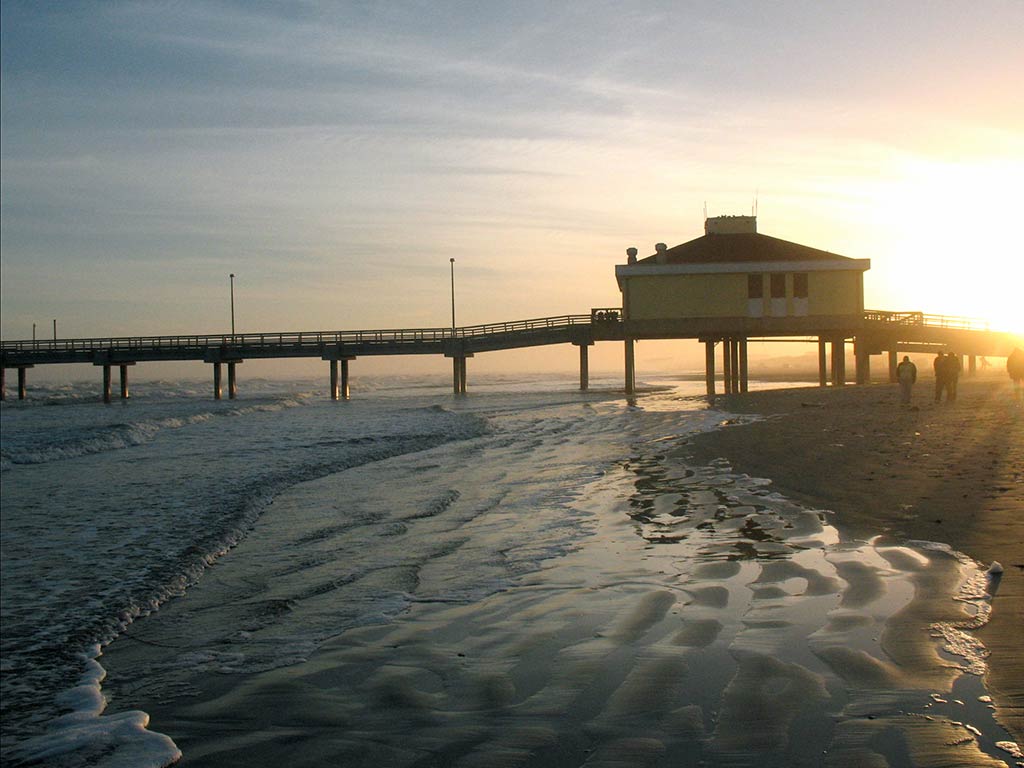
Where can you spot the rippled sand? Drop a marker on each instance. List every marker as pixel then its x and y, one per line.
pixel 699 618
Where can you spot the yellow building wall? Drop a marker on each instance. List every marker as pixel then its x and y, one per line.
pixel 652 297
pixel 834 293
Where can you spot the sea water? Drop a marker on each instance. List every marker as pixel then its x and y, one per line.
pixel 300 534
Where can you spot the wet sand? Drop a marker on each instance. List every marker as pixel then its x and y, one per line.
pixel 948 472
pixel 693 612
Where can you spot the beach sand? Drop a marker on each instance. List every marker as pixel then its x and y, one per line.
pixel 943 472
pixel 705 609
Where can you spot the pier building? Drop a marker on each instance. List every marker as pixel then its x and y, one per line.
pixel 735 283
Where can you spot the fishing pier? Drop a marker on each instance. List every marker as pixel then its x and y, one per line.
pixel 725 340
pixel 725 289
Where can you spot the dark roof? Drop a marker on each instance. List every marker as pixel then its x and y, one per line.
pixel 749 246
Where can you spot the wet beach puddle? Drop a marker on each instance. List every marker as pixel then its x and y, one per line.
pixel 699 619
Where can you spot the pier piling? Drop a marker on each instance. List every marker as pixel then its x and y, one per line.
pixel 630 368
pixel 709 366
pixel 124 379
pixel 838 362
pixel 216 382
pixel 459 375
pixel 106 383
pixel 584 367
pixel 744 378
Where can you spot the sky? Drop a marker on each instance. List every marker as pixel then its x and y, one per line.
pixel 335 156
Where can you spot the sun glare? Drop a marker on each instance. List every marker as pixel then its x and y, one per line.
pixel 952 235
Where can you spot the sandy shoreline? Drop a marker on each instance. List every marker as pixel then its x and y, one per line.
pixel 951 473
pixel 659 601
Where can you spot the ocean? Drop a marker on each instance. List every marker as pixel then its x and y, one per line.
pixel 527 575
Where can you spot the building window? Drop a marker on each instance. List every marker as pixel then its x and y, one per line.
pixel 755 286
pixel 800 285
pixel 778 282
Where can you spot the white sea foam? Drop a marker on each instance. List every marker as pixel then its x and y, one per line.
pixel 143 507
pixel 87 737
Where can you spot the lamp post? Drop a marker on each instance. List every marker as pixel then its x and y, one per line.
pixel 33 331
pixel 232 276
pixel 55 329
pixel 452 260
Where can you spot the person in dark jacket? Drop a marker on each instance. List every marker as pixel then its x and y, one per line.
pixel 939 366
pixel 906 375
pixel 1015 367
pixel 953 369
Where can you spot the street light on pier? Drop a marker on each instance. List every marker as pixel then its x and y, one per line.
pixel 232 276
pixel 452 260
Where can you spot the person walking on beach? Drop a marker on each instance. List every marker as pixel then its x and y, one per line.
pixel 939 366
pixel 1015 367
pixel 953 369
pixel 906 375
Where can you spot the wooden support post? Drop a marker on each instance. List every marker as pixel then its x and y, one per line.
pixel 822 363
pixel 216 381
pixel 734 351
pixel 106 383
pixel 893 365
pixel 22 388
pixel 863 363
pixel 709 366
pixel 584 368
pixel 456 377
pixel 334 379
pixel 3 383
pixel 630 368
pixel 124 380
pixel 838 362
pixel 744 378
pixel 462 375
pixel 972 365
pixel 344 380
pixel 232 383
pixel 727 365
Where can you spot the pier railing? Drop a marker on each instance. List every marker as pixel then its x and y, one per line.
pixel 295 339
pixel 928 321
pixel 401 337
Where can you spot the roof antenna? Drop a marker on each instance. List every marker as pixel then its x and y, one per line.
pixel 757 194
pixel 705 210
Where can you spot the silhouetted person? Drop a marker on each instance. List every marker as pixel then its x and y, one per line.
pixel 939 366
pixel 953 369
pixel 906 375
pixel 1015 367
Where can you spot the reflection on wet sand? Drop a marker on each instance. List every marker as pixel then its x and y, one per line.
pixel 704 621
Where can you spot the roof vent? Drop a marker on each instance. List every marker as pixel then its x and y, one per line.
pixel 730 225
pixel 631 255
pixel 660 255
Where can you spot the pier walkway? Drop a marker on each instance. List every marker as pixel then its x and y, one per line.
pixel 875 332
